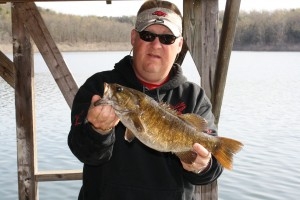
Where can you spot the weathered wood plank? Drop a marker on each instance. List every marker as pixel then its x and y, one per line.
pixel 226 42
pixel 24 95
pixel 58 175
pixel 201 34
pixel 7 69
pixel 22 1
pixel 47 47
pixel 209 192
pixel 200 24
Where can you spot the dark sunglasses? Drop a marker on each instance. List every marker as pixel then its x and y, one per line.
pixel 163 38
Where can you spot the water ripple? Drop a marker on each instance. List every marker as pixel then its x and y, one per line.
pixel 260 108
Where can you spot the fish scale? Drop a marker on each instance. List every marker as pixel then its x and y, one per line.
pixel 157 122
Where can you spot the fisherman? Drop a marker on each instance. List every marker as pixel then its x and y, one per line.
pixel 116 169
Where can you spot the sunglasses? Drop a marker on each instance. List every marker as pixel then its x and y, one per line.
pixel 163 38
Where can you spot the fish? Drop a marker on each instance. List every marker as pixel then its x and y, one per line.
pixel 163 129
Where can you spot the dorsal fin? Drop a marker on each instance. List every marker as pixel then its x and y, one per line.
pixel 194 120
pixel 168 108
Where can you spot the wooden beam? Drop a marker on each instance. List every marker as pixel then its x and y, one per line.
pixel 207 192
pixel 58 175
pixel 200 28
pixel 23 1
pixel 226 42
pixel 34 23
pixel 24 96
pixel 200 31
pixel 7 69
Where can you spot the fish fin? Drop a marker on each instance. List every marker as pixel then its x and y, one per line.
pixel 168 108
pixel 187 156
pixel 138 123
pixel 129 136
pixel 194 120
pixel 225 150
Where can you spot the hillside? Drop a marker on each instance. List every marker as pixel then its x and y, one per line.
pixel 256 31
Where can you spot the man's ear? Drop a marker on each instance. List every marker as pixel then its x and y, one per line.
pixel 180 44
pixel 133 35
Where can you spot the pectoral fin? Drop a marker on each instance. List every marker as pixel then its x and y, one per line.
pixel 129 136
pixel 138 124
pixel 137 127
pixel 187 156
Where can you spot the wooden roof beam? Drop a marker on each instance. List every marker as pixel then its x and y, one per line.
pixel 35 25
pixel 23 1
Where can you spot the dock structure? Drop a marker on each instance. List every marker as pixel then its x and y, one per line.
pixel 209 48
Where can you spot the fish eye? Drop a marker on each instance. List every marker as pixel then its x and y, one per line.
pixel 119 89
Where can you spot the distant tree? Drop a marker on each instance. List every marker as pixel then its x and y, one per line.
pixel 274 29
pixel 274 24
pixel 279 29
pixel 5 24
pixel 293 27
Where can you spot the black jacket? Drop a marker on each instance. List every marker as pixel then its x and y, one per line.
pixel 117 170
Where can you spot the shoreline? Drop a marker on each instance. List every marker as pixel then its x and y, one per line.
pixel 126 46
pixel 66 47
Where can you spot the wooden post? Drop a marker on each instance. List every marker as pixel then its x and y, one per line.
pixel 24 93
pixel 226 42
pixel 200 31
pixel 200 28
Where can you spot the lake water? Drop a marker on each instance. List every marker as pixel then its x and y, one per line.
pixel 260 108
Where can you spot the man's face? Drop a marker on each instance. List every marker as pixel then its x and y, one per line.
pixel 152 61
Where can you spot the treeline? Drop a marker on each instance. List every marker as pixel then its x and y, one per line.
pixel 90 29
pixel 277 30
pixel 73 29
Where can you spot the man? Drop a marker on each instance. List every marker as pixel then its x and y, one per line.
pixel 115 169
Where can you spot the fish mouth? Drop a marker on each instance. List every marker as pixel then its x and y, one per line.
pixel 108 100
pixel 105 100
pixel 106 90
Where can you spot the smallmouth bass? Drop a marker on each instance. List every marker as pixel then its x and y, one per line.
pixel 161 128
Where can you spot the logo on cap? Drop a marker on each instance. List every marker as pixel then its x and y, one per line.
pixel 159 13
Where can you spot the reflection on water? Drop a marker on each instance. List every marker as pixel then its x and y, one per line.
pixel 260 108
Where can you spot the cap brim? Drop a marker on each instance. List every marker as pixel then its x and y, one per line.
pixel 169 25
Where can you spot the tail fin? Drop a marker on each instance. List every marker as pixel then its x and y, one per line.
pixel 225 150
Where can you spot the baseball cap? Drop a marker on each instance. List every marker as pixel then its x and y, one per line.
pixel 162 16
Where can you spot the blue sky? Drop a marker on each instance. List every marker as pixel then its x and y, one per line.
pixel 120 8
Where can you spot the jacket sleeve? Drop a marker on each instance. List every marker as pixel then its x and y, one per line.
pixel 85 143
pixel 203 108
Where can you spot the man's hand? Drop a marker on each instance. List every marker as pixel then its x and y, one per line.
pixel 101 117
pixel 202 161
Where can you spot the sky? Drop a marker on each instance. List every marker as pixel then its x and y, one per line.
pixel 122 7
